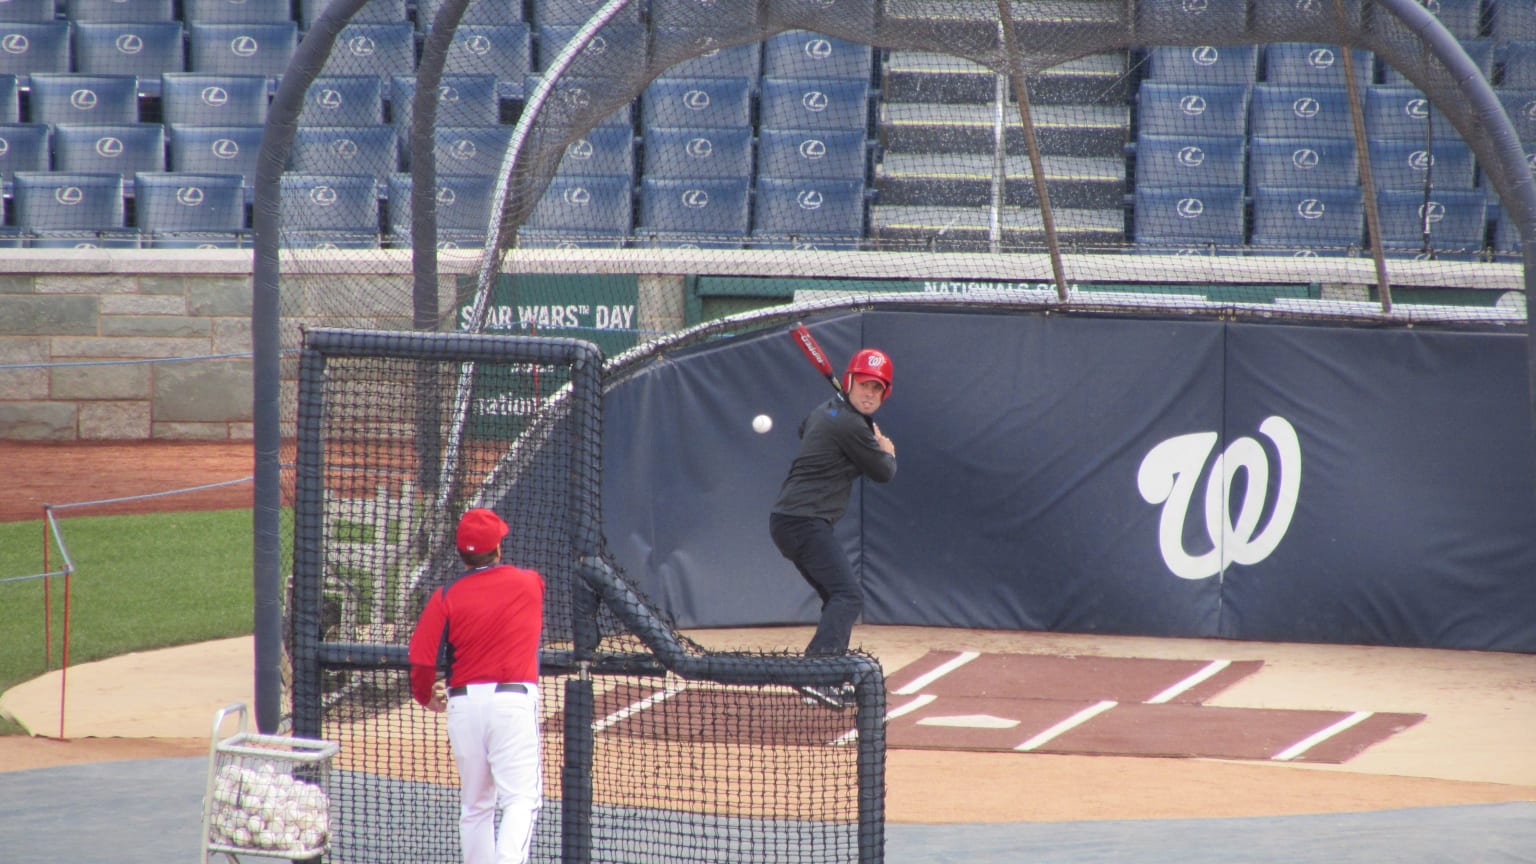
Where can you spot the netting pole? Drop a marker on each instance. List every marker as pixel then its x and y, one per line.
pixel 47 600
pixel 1367 177
pixel 1021 95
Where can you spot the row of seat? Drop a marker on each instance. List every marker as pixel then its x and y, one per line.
pixel 1511 64
pixel 1209 21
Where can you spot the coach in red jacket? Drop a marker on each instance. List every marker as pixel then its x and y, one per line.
pixel 485 626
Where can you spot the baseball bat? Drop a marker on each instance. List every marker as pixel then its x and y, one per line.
pixel 812 351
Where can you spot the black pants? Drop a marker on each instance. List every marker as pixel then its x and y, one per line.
pixel 809 544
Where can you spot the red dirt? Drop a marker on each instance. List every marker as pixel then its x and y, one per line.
pixel 59 473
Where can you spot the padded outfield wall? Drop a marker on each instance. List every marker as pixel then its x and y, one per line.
pixel 1064 473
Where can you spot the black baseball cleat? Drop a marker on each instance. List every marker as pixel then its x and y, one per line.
pixel 825 696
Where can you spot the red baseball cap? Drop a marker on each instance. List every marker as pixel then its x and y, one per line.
pixel 480 530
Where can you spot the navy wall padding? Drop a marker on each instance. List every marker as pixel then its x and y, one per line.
pixel 1028 496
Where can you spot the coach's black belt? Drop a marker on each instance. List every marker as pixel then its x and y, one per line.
pixel 500 688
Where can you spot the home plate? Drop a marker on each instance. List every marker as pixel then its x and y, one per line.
pixel 969 721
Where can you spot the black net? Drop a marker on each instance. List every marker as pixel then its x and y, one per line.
pixel 654 749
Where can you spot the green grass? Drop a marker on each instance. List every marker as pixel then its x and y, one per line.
pixel 140 582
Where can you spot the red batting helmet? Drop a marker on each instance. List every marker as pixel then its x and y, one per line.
pixel 872 362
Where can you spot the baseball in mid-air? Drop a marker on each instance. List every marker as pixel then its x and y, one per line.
pixel 762 423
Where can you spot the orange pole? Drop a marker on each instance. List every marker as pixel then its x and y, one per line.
pixel 47 600
pixel 64 668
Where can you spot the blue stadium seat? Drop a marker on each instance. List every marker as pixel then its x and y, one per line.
pixel 32 47
pixel 803 54
pixel 242 49
pixel 344 100
pixel 673 153
pixel 577 101
pixel 70 98
pixel 345 150
pixel 1281 111
pixel 1456 219
pixel 1176 108
pixel 1305 20
pixel 235 11
pixel 1514 22
pixel 10 100
pixel 1520 105
pixel 1178 21
pixel 193 99
pixel 120 10
pixel 568 12
pixel 180 211
pixel 606 150
pixel 477 12
pixel 1309 64
pixel 1204 64
pixel 1506 239
pixel 1402 113
pixel 822 154
pixel 697 103
pixel 737 61
pixel 384 50
pixel 1190 162
pixel 24 147
pixel 470 149
pixel 145 49
pixel 462 100
pixel 329 211
pixel 373 12
pixel 613 50
pixel 216 150
pixel 1519 65
pixel 584 205
pixel 820 210
pixel 1303 163
pixel 126 148
pixel 503 50
pixel 463 209
pixel 796 103
pixel 29 10
pixel 1481 51
pixel 1448 164
pixel 1183 218
pixel 1464 18
pixel 60 209
pixel 1322 220
pixel 705 208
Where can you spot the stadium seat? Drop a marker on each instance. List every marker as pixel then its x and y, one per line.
pixel 10 100
pixel 241 49
pixel 611 52
pixel 1519 66
pixel 1322 220
pixel 1303 163
pixel 803 54
pixel 1456 219
pixel 1204 64
pixel 1402 113
pixel 1506 239
pixel 145 49
pixel 34 46
pixel 463 209
pixel 61 209
pixel 477 12
pixel 384 50
pixel 697 103
pixel 470 149
pixel 193 99
pixel 1182 218
pixel 29 10
pixel 345 150
pixel 1520 105
pixel 462 100
pixel 604 151
pixel 235 11
pixel 1447 164
pixel 737 61
pixel 216 150
pixel 705 207
pixel 1464 18
pixel 569 12
pixel 1281 111
pixel 1189 162
pixel 174 210
pixel 1176 21
pixel 502 50
pixel 673 153
pixel 126 148
pixel 1309 64
pixel 329 211
pixel 796 103
pixel 344 100
pixel 1481 51
pixel 584 205
pixel 821 154
pixel 819 209
pixel 1514 22
pixel 70 98
pixel 119 11
pixel 24 147
pixel 373 12
pixel 1175 108
pixel 1305 21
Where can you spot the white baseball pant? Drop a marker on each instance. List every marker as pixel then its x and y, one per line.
pixel 495 740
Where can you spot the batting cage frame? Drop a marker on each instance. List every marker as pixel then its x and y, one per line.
pixel 763 774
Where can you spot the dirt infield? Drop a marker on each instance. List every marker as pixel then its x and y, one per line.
pixel 1472 745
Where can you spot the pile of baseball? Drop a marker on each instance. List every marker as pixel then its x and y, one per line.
pixel 264 808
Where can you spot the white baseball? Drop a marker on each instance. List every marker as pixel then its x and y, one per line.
pixel 762 423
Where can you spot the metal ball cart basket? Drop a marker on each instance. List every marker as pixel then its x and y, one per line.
pixel 266 794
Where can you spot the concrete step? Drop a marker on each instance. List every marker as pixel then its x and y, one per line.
pixel 921 76
pixel 966 179
pixel 943 228
pixel 1068 130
